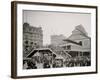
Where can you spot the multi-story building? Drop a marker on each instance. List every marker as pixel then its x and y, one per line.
pixel 78 43
pixel 32 38
pixel 57 40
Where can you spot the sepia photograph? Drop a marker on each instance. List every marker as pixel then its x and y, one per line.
pixel 56 39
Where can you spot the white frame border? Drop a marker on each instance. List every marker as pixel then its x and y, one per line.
pixel 21 72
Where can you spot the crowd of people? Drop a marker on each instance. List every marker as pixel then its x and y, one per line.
pixel 78 61
pixel 51 61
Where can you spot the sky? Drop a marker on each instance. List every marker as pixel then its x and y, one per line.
pixel 57 23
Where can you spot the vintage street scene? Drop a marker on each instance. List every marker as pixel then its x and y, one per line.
pixel 56 40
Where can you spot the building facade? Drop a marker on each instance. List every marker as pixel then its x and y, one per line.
pixel 78 43
pixel 32 38
pixel 57 40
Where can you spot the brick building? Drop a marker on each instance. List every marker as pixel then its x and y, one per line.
pixel 32 38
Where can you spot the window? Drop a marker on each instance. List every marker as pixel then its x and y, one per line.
pixel 31 42
pixel 35 44
pixel 80 43
pixel 26 42
pixel 69 47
